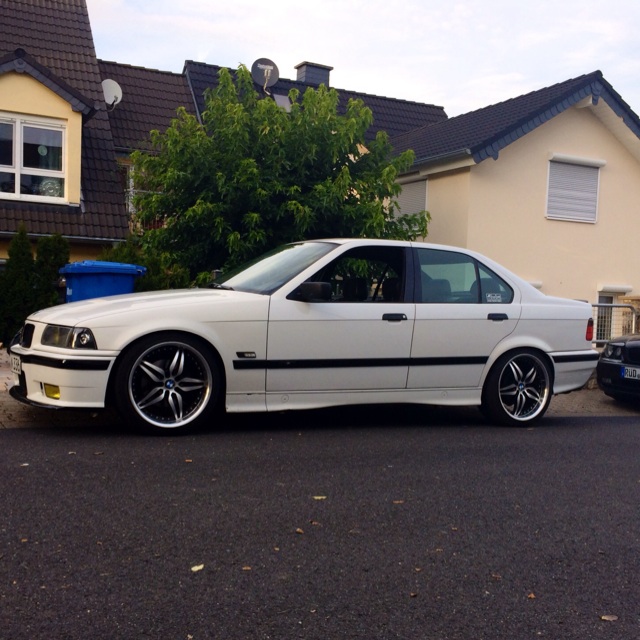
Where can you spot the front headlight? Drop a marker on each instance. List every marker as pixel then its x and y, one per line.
pixel 613 352
pixel 68 337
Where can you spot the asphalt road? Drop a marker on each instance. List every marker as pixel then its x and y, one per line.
pixel 396 524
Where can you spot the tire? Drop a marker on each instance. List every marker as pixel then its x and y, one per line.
pixel 168 384
pixel 518 388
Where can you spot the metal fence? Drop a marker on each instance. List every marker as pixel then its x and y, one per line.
pixel 611 320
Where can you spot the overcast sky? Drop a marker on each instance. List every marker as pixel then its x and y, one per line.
pixel 459 54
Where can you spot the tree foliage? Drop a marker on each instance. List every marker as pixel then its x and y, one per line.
pixel 252 175
pixel 27 285
pixel 52 253
pixel 161 272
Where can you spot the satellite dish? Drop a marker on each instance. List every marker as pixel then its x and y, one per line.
pixel 265 73
pixel 112 93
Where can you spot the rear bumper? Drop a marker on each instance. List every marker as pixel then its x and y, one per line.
pixel 573 369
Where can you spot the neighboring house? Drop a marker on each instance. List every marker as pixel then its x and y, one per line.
pixel 58 172
pixel 151 98
pixel 548 184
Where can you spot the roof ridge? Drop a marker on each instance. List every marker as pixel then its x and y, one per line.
pixel 139 68
pixel 484 132
pixel 531 93
pixel 307 85
pixel 596 74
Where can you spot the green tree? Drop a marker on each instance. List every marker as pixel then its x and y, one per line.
pixel 252 175
pixel 161 272
pixel 52 253
pixel 17 286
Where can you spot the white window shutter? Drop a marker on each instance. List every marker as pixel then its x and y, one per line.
pixel 573 192
pixel 413 198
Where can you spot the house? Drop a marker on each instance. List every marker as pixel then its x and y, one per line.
pixel 64 152
pixel 58 171
pixel 547 184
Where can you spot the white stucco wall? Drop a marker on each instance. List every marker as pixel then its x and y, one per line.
pixel 507 206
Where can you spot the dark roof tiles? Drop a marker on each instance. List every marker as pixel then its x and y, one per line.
pixel 483 133
pixel 150 101
pixel 389 114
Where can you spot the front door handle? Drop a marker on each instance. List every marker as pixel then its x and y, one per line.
pixel 497 317
pixel 394 317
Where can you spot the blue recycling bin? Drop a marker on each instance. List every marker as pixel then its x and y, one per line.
pixel 95 279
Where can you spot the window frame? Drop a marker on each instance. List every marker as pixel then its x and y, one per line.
pixel 19 122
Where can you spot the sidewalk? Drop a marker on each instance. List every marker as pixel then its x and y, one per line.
pixel 13 414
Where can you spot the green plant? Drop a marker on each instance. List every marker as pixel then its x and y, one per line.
pixel 17 286
pixel 251 176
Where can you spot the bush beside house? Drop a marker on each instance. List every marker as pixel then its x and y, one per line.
pixel 27 283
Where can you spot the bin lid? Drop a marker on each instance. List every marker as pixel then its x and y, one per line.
pixel 101 266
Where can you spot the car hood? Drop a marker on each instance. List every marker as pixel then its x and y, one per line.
pixel 156 302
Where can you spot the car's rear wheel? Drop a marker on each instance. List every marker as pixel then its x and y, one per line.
pixel 518 388
pixel 168 383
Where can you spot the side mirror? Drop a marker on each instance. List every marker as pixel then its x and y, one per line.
pixel 311 292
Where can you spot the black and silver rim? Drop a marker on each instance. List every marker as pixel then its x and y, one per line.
pixel 170 384
pixel 524 387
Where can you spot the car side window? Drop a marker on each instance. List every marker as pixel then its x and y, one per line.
pixel 366 274
pixel 491 289
pixel 448 277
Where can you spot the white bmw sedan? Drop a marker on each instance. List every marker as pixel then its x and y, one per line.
pixel 313 324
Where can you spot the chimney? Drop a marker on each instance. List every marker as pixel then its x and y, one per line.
pixel 312 73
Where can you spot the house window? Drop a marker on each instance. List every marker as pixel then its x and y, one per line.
pixel 413 197
pixel 31 159
pixel 573 191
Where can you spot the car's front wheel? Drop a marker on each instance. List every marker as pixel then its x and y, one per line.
pixel 518 388
pixel 167 383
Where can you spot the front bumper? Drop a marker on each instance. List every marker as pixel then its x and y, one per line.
pixel 611 380
pixel 56 380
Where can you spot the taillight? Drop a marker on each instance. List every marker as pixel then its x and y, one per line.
pixel 589 335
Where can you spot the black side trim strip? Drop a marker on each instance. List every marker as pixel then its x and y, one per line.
pixel 73 365
pixel 363 362
pixel 585 357
pixel 439 362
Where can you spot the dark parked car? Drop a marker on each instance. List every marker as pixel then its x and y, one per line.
pixel 618 369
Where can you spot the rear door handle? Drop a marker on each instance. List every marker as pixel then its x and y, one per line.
pixel 394 317
pixel 497 317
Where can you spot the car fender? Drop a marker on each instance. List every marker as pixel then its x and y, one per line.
pixel 229 339
pixel 512 343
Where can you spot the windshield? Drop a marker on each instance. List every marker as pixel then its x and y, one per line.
pixel 270 271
